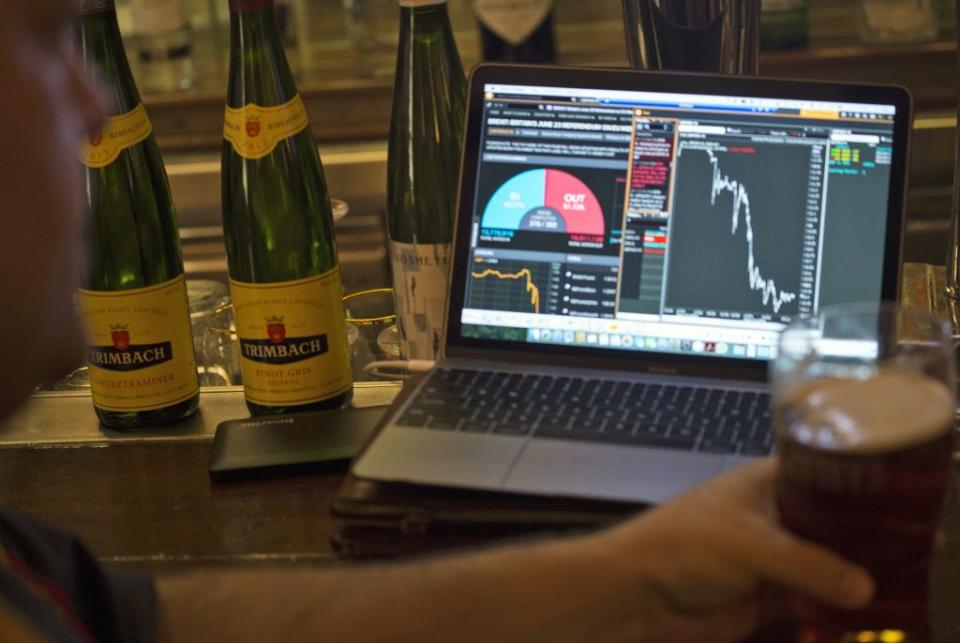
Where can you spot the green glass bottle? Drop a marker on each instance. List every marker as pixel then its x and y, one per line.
pixel 278 225
pixel 783 24
pixel 141 361
pixel 426 138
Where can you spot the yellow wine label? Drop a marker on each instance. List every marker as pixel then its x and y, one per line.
pixel 140 346
pixel 254 131
pixel 119 133
pixel 293 339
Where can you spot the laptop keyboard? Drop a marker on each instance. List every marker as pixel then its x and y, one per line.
pixel 712 420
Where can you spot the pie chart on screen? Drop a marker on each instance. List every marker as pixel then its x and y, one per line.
pixel 545 200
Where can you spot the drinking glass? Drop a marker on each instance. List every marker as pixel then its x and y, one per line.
pixel 219 358
pixel 370 312
pixel 206 297
pixel 864 399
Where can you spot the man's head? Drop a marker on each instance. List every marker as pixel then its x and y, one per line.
pixel 47 107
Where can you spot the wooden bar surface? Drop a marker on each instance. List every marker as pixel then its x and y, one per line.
pixel 153 505
pixel 149 503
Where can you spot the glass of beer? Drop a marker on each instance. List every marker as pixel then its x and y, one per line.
pixel 864 400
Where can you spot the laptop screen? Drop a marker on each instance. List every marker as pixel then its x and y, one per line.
pixel 671 222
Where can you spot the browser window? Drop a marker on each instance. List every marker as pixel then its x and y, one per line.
pixel 676 223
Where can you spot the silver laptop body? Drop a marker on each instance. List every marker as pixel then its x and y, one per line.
pixel 628 247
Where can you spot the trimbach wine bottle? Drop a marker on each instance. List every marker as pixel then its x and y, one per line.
pixel 134 298
pixel 278 225
pixel 423 163
pixel 516 30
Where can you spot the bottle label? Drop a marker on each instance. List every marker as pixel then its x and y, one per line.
pixel 119 133
pixel 420 3
pixel 420 296
pixel 512 20
pixel 293 339
pixel 140 346
pixel 254 131
pixel 157 17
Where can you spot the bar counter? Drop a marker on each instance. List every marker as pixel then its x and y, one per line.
pixel 147 503
pixel 144 500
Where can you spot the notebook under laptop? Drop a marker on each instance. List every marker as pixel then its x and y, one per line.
pixel 628 246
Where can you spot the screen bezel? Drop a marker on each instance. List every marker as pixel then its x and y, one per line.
pixel 458 346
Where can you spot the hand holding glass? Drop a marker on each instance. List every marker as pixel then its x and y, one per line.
pixel 863 409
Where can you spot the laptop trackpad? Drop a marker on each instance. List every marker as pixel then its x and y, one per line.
pixel 564 467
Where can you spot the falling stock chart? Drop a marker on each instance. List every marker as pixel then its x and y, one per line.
pixel 745 229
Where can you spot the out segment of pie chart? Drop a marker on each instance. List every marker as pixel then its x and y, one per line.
pixel 545 200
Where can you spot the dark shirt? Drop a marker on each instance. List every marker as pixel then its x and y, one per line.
pixel 56 590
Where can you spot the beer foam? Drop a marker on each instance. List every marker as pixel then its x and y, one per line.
pixel 884 413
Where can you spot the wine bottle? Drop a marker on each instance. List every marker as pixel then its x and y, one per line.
pixel 141 362
pixel 423 160
pixel 516 30
pixel 278 226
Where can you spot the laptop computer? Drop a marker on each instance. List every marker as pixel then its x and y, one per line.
pixel 628 246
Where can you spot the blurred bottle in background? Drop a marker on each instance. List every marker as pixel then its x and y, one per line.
pixel 716 36
pixel 889 21
pixel 372 26
pixel 284 12
pixel 783 24
pixel 295 18
pixel 163 45
pixel 516 30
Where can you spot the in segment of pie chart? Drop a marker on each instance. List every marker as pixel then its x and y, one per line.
pixel 545 200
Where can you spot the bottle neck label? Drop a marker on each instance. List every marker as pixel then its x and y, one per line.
pixel 512 20
pixel 420 3
pixel 140 347
pixel 119 133
pixel 254 131
pixel 420 296
pixel 292 340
